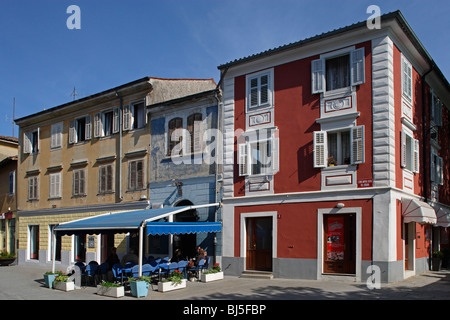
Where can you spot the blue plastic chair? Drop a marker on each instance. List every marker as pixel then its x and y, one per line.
pixel 117 272
pixel 172 267
pixel 135 271
pixel 198 268
pixel 148 269
pixel 163 269
pixel 206 265
pixel 89 272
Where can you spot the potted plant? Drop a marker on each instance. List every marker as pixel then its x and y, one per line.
pixel 437 260
pixel 211 275
pixel 62 283
pixel 110 289
pixel 49 278
pixel 139 286
pixel 6 258
pixel 332 162
pixel 174 281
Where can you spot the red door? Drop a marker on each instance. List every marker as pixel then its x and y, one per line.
pixel 259 244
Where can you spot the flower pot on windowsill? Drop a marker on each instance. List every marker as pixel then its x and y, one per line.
pixel 139 288
pixel 64 286
pixel 208 277
pixel 169 285
pixel 115 292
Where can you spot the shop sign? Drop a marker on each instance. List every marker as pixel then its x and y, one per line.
pixel 365 183
pixel 335 239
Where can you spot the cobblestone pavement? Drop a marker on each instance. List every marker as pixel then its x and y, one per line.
pixel 27 283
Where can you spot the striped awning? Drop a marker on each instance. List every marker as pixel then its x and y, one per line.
pixel 417 211
pixel 443 218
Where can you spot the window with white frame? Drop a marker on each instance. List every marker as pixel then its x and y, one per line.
pixel 260 90
pixel 79 183
pixel 259 154
pixel 106 179
pixel 339 147
pixel 106 123
pixel 33 188
pixel 80 129
pixel 31 141
pixel 56 135
pixel 409 152
pixel 338 71
pixel 134 116
pixel 136 175
pixel 55 185
pixel 407 84
pixel 436 168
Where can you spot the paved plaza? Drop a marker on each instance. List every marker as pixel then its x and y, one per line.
pixel 27 283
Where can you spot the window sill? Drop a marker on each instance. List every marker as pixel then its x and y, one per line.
pixel 54 198
pixel 74 196
pixel 105 193
pixel 338 167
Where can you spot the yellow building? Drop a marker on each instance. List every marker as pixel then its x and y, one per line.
pixel 85 158
pixel 8 213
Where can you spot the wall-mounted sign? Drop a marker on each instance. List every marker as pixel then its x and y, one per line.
pixel 365 183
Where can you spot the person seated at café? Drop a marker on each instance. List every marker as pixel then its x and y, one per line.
pixel 131 256
pixel 177 257
pixel 113 258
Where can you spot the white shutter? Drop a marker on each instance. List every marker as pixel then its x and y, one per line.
pixel 26 142
pixel 320 149
pixel 127 118
pixel 275 154
pixel 318 76
pixel 440 171
pixel 357 67
pixel 403 150
pixel 97 125
pixel 88 128
pixel 416 159
pixel 439 114
pixel 243 159
pixel 72 134
pixel 357 138
pixel 433 167
pixel 115 127
pixel 38 142
pixel 52 185
pixel 253 99
pixel 53 142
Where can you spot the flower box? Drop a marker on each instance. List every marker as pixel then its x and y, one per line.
pixel 115 292
pixel 64 286
pixel 48 279
pixel 139 288
pixel 207 277
pixel 169 286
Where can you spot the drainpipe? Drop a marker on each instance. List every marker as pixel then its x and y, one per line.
pixel 218 156
pixel 425 156
pixel 120 144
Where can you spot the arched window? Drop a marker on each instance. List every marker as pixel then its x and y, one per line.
pixel 194 128
pixel 174 124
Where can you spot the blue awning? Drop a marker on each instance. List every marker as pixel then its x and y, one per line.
pixel 121 222
pixel 161 228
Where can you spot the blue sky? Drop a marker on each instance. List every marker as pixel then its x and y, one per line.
pixel 41 60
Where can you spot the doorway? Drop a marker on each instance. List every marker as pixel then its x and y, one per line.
pixel 186 243
pixel 339 244
pixel 408 237
pixel 259 243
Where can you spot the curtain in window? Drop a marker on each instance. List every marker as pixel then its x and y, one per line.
pixel 338 72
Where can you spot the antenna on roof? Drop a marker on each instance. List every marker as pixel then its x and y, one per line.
pixel 14 114
pixel 74 94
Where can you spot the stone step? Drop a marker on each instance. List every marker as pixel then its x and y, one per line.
pixel 251 274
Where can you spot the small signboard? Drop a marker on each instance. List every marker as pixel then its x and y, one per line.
pixel 365 183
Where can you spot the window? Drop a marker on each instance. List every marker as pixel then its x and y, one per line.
pixel 338 71
pixel 409 152
pixel 106 123
pixel 175 135
pixel 55 185
pixel 80 130
pixel 31 141
pixel 436 110
pixel 194 128
pixel 136 175
pixel 56 138
pixel 134 116
pixel 407 80
pixel 437 169
pixel 12 183
pixel 33 188
pixel 79 183
pixel 259 155
pixel 259 90
pixel 106 179
pixel 341 147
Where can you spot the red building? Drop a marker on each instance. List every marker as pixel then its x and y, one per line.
pixel 334 153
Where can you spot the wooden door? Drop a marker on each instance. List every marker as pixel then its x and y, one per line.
pixel 406 238
pixel 339 244
pixel 259 244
